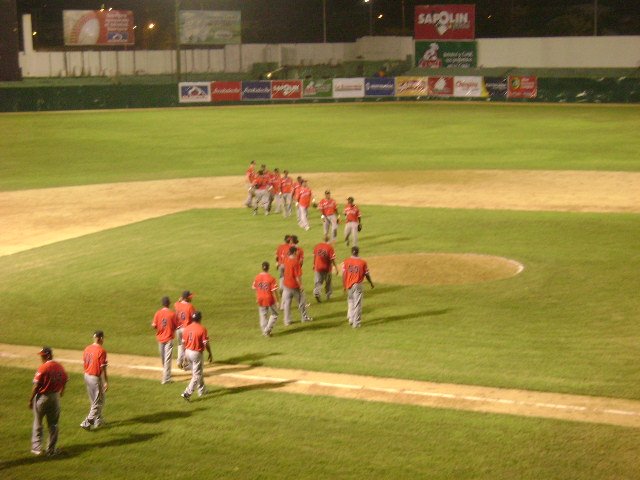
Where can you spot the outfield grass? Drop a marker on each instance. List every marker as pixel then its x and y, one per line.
pixel 76 148
pixel 256 434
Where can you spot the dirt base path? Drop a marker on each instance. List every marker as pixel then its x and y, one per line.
pixel 578 408
pixel 33 218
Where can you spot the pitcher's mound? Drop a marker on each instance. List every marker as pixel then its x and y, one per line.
pixel 441 268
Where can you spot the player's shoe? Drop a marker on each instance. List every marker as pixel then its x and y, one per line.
pixel 318 298
pixel 307 319
pixel 186 396
pixel 36 452
pixel 86 425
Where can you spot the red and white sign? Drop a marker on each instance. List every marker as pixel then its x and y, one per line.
pixel 445 22
pixel 286 89
pixel 468 87
pixel 226 91
pixel 98 27
pixel 441 86
pixel 522 87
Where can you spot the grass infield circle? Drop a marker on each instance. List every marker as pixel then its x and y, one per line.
pixel 441 268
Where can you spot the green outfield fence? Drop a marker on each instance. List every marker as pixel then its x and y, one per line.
pixel 554 85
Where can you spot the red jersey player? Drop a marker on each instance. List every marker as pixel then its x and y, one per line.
pixel 266 288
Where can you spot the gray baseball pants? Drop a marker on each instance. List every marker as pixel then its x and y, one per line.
pixel 262 199
pixel 197 372
pixel 166 353
pixel 354 303
pixel 286 204
pixel 47 405
pixel 331 222
pixel 95 391
pixel 249 201
pixel 351 230
pixel 268 318
pixel 320 278
pixel 289 294
pixel 303 219
pixel 180 346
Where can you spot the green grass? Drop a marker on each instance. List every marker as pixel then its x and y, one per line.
pixel 253 433
pixel 568 323
pixel 71 148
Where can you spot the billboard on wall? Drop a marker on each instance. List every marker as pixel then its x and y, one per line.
pixel 379 87
pixel 207 27
pixel 496 87
pixel 194 92
pixel 226 91
pixel 412 86
pixel 348 87
pixel 98 27
pixel 256 90
pixel 286 89
pixel 522 87
pixel 471 87
pixel 441 86
pixel 445 54
pixel 317 88
pixel 445 22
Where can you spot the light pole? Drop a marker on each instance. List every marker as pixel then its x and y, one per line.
pixel 324 21
pixel 370 3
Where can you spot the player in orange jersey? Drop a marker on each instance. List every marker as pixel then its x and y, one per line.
pixel 281 253
pixel 165 322
pixel 353 222
pixel 48 386
pixel 195 341
pixel 286 187
pixel 323 257
pixel 95 378
pixel 249 176
pixel 292 287
pixel 275 194
pixel 262 187
pixel 295 195
pixel 305 199
pixel 184 310
pixel 354 271
pixel 266 288
pixel 329 215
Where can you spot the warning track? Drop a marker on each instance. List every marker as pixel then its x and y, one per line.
pixel 578 408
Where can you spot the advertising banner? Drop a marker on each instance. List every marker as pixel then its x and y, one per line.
pixel 348 87
pixel 286 89
pixel 317 88
pixel 98 27
pixel 446 54
pixel 207 27
pixel 445 22
pixel 412 86
pixel 523 87
pixel 471 87
pixel 496 87
pixel 226 91
pixel 194 92
pixel 379 87
pixel 441 86
pixel 256 90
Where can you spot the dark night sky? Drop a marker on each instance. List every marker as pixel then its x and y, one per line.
pixel 300 21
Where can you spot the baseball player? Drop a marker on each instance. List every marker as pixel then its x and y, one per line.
pixel 329 215
pixel 195 341
pixel 323 257
pixel 354 271
pixel 295 194
pixel 293 287
pixel 184 311
pixel 305 198
pixel 293 240
pixel 266 288
pixel 261 189
pixel 353 223
pixel 95 378
pixel 286 187
pixel 281 253
pixel 275 194
pixel 165 322
pixel 249 177
pixel 48 386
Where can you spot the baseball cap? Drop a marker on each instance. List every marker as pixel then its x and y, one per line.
pixel 327 192
pixel 45 352
pixel 197 316
pixel 187 294
pixel 98 334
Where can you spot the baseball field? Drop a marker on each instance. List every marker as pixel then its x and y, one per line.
pixel 502 339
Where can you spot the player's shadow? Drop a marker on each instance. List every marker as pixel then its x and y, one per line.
pixel 241 389
pixel 79 449
pixel 377 240
pixel 252 359
pixel 321 322
pixel 398 318
pixel 152 418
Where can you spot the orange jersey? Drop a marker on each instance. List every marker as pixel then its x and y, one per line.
pixel 165 322
pixel 328 206
pixel 296 191
pixel 264 285
pixel 95 359
pixel 323 254
pixel 250 174
pixel 195 337
pixel 304 197
pixel 354 270
pixel 292 272
pixel 184 310
pixel 275 183
pixel 351 213
pixel 281 252
pixel 50 377
pixel 261 182
pixel 286 184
